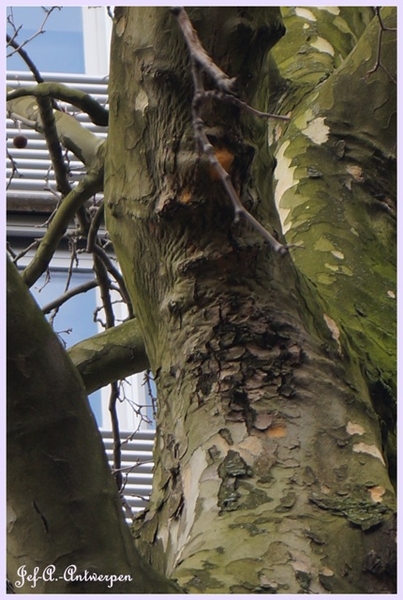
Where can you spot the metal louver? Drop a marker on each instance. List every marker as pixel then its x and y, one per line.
pixel 137 465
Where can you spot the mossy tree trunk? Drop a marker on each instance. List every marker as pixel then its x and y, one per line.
pixel 269 469
pixel 335 180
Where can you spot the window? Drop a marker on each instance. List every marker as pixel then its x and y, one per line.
pixel 75 39
pixel 60 49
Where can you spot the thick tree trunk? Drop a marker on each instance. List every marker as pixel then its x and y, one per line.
pixel 269 473
pixel 66 531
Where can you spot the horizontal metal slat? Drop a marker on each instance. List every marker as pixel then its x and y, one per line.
pixel 136 465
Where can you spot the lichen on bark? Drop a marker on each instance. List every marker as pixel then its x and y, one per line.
pixel 235 336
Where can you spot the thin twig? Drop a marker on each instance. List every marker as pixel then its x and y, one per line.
pixel 30 64
pixel 18 47
pixel 242 105
pixel 32 245
pixel 199 54
pixel 117 444
pixel 14 170
pixel 94 226
pixel 239 210
pixel 26 58
pixel 79 289
pixel 89 186
pixel 101 274
pixel 116 274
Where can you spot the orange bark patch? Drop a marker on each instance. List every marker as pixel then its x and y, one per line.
pixel 185 197
pixel 225 158
pixel 376 492
pixel 278 431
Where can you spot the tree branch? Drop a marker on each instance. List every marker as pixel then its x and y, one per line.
pixel 26 58
pixel 53 144
pixel 19 47
pixel 50 470
pixel 83 143
pixel 104 287
pixel 200 62
pixel 79 289
pixel 116 274
pixel 113 354
pixel 199 54
pixel 117 444
pixel 97 113
pixel 90 185
pixel 94 227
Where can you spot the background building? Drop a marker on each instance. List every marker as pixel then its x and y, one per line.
pixel 72 48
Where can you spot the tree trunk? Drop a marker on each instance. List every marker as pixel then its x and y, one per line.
pixel 65 520
pixel 336 181
pixel 269 473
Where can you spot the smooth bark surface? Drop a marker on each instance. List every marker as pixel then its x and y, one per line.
pixel 111 355
pixel 269 471
pixel 63 506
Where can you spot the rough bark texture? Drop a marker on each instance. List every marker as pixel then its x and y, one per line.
pixel 63 505
pixel 269 472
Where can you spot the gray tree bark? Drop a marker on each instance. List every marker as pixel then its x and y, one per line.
pixel 269 470
pixel 63 507
pixel 275 374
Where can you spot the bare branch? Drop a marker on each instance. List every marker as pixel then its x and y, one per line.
pixel 84 144
pixel 53 144
pixel 117 444
pixel 242 105
pixel 239 210
pixel 33 244
pixel 200 62
pixel 85 102
pixel 14 169
pixel 113 354
pixel 80 289
pixel 89 186
pixel 116 274
pixel 104 287
pixel 26 58
pixel 198 53
pixel 93 230
pixel 18 47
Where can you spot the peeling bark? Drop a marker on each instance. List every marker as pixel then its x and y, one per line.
pixel 336 194
pixel 269 470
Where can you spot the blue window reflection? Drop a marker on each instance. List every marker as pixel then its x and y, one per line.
pixel 59 49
